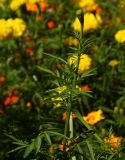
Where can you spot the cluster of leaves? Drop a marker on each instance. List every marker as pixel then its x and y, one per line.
pixel 32 73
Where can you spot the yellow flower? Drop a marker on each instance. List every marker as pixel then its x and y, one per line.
pixel 85 3
pixel 71 41
pixel 19 27
pixel 84 63
pixel 114 141
pixel 5 29
pixel 120 36
pixel 15 4
pixel 113 63
pixel 91 21
pixel 11 28
pixel 94 117
pixel 59 90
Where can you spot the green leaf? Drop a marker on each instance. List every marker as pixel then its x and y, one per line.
pixel 45 70
pixel 47 137
pixel 37 143
pixel 90 150
pixel 110 157
pixel 28 150
pixel 57 134
pixel 53 56
pixel 12 137
pixel 16 149
pixel 89 73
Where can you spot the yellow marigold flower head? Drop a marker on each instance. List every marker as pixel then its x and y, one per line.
pixel 120 36
pixel 32 1
pixel 71 41
pixel 19 27
pixel 15 4
pixel 113 63
pixel 84 63
pixel 91 21
pixel 94 117
pixel 5 29
pixel 85 3
pixel 114 141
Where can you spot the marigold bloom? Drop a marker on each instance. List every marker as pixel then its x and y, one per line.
pixel 15 4
pixel 84 63
pixel 86 88
pixel 10 100
pixel 94 117
pixel 11 28
pixel 5 29
pixel 51 24
pixel 113 63
pixel 31 7
pixel 2 79
pixel 39 18
pixel 71 41
pixel 1 111
pixel 67 146
pixel 28 104
pixel 114 141
pixel 84 3
pixel 19 27
pixel 43 6
pixel 91 21
pixel 64 116
pixel 120 36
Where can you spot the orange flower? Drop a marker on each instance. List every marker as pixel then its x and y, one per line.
pixel 7 101
pixel 98 10
pixel 86 88
pixel 39 18
pixel 67 146
pixel 114 141
pixel 51 24
pixel 10 100
pixel 28 104
pixel 118 20
pixel 1 111
pixel 43 6
pixel 64 116
pixel 14 99
pixel 29 51
pixel 94 117
pixel 31 7
pixel 2 79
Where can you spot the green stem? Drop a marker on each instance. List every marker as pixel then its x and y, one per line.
pixel 71 125
pixel 66 129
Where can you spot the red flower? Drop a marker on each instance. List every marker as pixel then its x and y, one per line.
pixel 39 18
pixel 10 100
pixel 86 88
pixel 2 79
pixel 51 24
pixel 7 101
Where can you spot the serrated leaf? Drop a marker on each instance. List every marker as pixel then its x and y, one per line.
pixel 28 150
